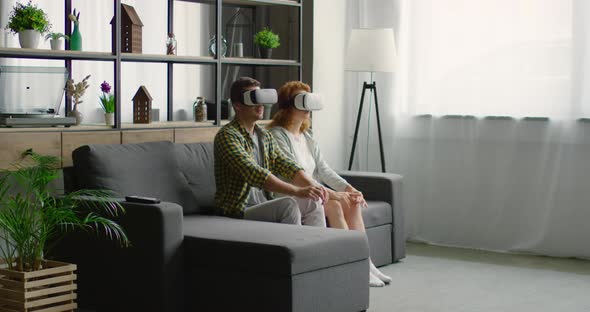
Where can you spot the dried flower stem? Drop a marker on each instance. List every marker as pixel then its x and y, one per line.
pixel 76 91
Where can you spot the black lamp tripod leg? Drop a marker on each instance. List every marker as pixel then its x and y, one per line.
pixel 356 129
pixel 379 129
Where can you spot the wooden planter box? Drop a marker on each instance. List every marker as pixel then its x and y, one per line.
pixel 52 289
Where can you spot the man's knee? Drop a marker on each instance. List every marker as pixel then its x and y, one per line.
pixel 289 207
pixel 317 205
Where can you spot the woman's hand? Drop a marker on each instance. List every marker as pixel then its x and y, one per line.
pixel 347 199
pixel 358 196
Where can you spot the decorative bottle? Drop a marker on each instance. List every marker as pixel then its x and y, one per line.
pixel 200 109
pixel 171 44
pixel 76 39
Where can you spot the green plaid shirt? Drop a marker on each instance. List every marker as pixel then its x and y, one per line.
pixel 236 169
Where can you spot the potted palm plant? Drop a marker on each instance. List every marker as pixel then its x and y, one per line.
pixel 29 22
pixel 31 217
pixel 266 41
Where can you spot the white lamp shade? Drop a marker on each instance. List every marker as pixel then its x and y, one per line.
pixel 371 50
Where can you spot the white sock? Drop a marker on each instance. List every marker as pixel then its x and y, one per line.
pixel 374 281
pixel 374 271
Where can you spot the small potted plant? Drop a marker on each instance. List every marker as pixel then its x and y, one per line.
pixel 55 40
pixel 29 22
pixel 33 217
pixel 266 41
pixel 107 101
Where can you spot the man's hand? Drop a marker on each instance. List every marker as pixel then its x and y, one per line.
pixel 315 192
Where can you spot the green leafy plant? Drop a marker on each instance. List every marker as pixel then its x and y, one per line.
pixel 27 16
pixel 267 39
pixel 107 100
pixel 56 36
pixel 31 216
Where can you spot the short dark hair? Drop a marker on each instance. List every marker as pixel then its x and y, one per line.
pixel 239 86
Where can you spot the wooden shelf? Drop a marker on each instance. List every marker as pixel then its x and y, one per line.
pixel 59 54
pixel 167 124
pixel 258 61
pixel 56 129
pixel 294 3
pixel 157 58
pixel 263 2
pixel 161 58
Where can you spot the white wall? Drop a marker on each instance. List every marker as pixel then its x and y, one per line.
pixel 329 44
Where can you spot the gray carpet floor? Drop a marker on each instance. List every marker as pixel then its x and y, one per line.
pixel 433 278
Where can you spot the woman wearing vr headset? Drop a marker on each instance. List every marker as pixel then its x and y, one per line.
pixel 290 127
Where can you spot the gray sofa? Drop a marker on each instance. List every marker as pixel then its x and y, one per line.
pixel 184 258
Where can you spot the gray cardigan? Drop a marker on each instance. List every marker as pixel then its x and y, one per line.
pixel 323 173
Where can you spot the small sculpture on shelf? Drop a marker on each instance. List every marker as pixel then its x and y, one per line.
pixel 171 44
pixel 142 106
pixel 131 27
pixel 200 109
pixel 213 46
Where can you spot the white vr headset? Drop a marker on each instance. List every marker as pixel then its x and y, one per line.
pixel 307 101
pixel 260 97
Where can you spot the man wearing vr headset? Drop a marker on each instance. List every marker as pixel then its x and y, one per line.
pixel 247 160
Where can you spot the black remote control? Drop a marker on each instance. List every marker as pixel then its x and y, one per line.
pixel 142 200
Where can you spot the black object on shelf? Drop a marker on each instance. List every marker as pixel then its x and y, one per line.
pixel 212 110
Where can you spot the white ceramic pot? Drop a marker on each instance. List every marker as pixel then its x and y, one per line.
pixel 109 119
pixel 29 39
pixel 56 44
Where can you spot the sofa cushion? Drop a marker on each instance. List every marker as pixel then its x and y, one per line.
pixel 196 163
pixel 378 213
pixel 264 247
pixel 146 169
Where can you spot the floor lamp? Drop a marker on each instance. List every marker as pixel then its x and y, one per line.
pixel 370 50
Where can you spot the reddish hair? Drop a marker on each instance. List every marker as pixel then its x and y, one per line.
pixel 282 118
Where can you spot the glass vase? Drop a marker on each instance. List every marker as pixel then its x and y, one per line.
pixel 76 39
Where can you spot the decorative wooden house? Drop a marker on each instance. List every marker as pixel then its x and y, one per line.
pixel 142 106
pixel 131 27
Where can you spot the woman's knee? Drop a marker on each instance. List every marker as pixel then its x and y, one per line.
pixel 333 208
pixel 350 210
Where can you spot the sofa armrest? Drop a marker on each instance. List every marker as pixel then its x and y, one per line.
pixel 383 187
pixel 112 278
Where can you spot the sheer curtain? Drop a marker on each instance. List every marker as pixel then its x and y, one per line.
pixel 486 120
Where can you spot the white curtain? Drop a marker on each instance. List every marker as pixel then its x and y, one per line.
pixel 485 118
